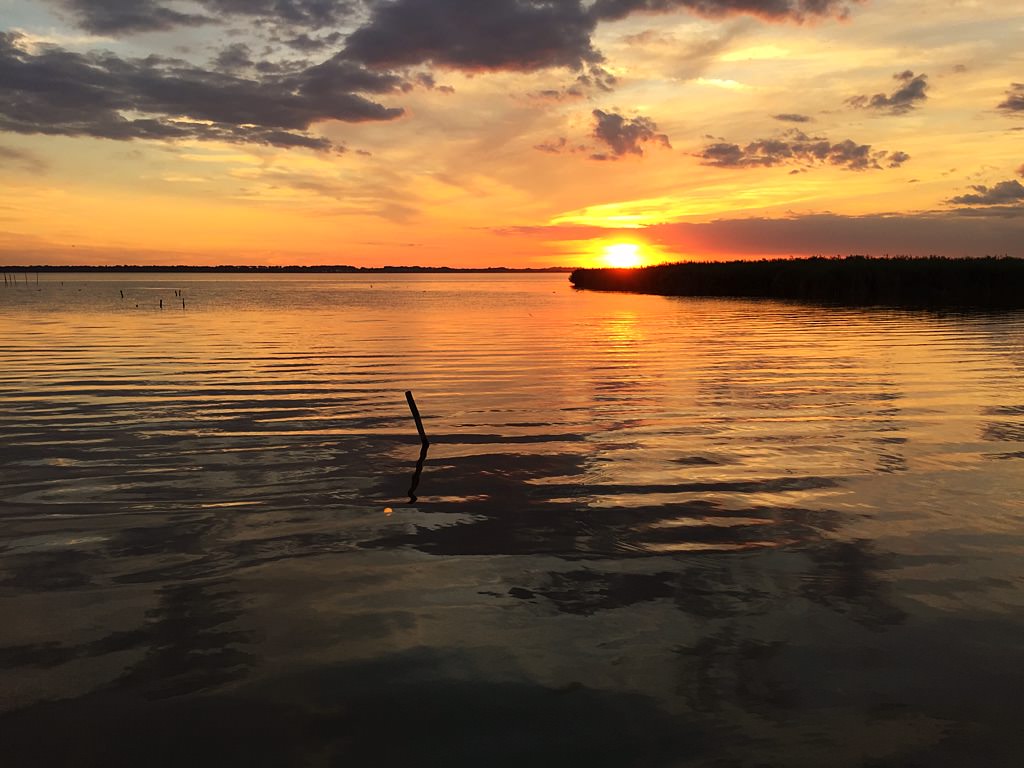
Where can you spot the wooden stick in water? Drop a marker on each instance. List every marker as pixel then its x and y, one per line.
pixel 416 417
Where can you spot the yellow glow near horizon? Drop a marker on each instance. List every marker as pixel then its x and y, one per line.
pixel 622 255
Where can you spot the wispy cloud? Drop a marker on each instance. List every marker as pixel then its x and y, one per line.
pixel 21 159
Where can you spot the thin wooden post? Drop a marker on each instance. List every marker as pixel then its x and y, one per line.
pixel 416 417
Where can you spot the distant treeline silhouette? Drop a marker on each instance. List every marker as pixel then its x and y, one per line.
pixel 273 269
pixel 932 282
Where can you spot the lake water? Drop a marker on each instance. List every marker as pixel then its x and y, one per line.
pixel 648 531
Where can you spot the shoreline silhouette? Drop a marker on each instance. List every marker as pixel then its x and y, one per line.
pixel 929 282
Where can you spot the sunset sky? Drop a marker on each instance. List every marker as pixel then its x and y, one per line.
pixel 507 132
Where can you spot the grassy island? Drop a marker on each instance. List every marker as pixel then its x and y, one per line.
pixel 932 282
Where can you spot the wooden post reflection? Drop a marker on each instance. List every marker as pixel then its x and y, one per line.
pixel 419 470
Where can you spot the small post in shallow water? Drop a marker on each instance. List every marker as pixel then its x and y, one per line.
pixel 424 445
pixel 416 417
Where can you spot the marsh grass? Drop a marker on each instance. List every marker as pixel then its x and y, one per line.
pixel 932 282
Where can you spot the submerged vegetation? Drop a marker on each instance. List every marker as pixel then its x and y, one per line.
pixel 934 282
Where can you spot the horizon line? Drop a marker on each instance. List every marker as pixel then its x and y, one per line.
pixel 324 268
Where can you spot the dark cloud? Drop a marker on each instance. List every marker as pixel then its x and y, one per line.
pixel 472 35
pixel 1003 193
pixel 910 91
pixel 831 234
pixel 775 10
pixel 306 44
pixel 113 17
pixel 896 159
pixel 59 92
pixel 526 35
pixel 791 117
pixel 308 13
pixel 624 136
pixel 797 148
pixel 521 35
pixel 122 17
pixel 946 233
pixel 1014 101
pixel 20 159
pixel 234 57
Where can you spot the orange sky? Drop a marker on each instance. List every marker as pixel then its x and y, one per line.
pixel 517 133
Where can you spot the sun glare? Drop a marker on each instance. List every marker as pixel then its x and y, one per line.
pixel 622 255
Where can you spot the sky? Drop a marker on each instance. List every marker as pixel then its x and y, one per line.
pixel 520 133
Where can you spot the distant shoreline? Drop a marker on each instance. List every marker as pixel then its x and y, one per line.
pixel 932 282
pixel 236 268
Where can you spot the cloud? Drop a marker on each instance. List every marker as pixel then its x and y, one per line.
pixel 234 57
pixel 797 148
pixel 1014 101
pixel 125 17
pixel 527 35
pixel 790 117
pixel 59 92
pixel 306 44
pixel 470 35
pixel 896 159
pixel 20 159
pixel 947 233
pixel 1003 193
pixel 596 79
pixel 774 10
pixel 114 17
pixel 624 136
pixel 309 13
pixel 911 90
pixel 553 147
pixel 518 35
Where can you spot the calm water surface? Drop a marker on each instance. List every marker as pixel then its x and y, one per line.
pixel 648 531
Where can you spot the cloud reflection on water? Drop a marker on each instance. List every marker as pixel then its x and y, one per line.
pixel 648 529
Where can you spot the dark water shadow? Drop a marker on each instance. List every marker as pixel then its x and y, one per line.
pixel 397 710
pixel 190 642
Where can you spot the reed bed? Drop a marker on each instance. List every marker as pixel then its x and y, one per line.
pixel 931 282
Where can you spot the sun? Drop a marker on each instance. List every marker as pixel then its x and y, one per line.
pixel 622 255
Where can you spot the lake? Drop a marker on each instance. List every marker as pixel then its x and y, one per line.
pixel 648 531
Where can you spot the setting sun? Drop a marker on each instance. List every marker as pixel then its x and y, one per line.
pixel 622 255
